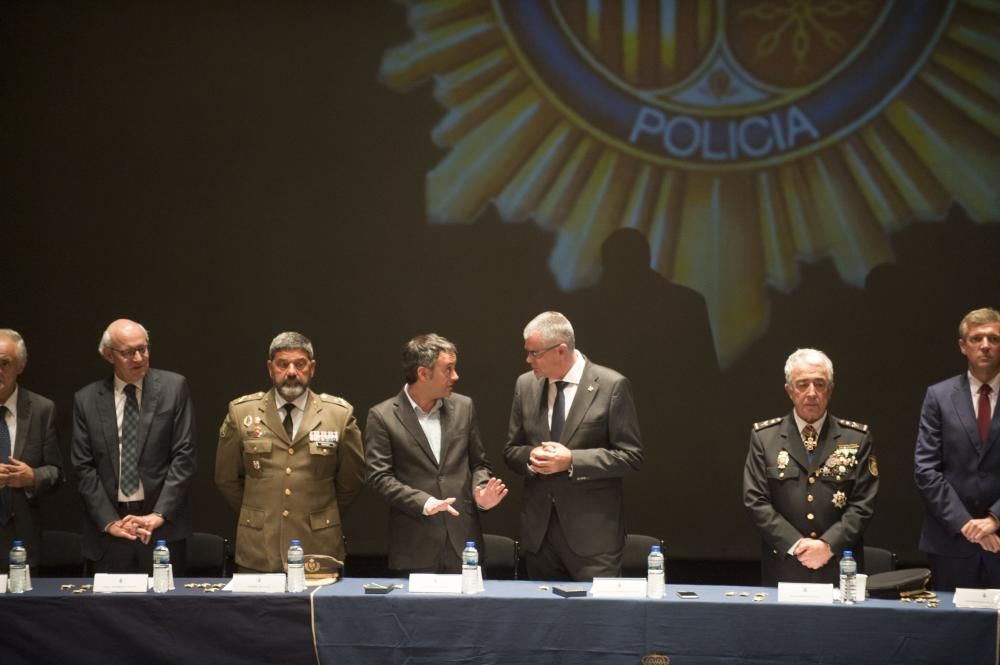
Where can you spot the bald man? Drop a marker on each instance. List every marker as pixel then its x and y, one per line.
pixel 134 454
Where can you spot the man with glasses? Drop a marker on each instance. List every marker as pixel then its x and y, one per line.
pixel 289 462
pixel 574 436
pixel 133 451
pixel 30 461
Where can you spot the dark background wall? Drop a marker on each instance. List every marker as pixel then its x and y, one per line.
pixel 224 171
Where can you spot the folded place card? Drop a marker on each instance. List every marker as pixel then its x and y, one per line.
pixel 120 583
pixel 979 598
pixel 3 584
pixel 800 592
pixel 618 587
pixel 257 583
pixel 432 583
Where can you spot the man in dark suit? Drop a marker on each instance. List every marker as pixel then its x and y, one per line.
pixel 957 462
pixel 30 462
pixel 426 459
pixel 574 436
pixel 133 452
pixel 810 480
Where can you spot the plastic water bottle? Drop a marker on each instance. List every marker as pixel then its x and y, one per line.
pixel 848 577
pixel 17 581
pixel 296 580
pixel 161 567
pixel 470 567
pixel 655 575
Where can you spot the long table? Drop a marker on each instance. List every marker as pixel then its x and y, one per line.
pixel 519 622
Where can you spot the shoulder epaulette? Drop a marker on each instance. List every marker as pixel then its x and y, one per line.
pixel 764 424
pixel 333 399
pixel 247 398
pixel 861 427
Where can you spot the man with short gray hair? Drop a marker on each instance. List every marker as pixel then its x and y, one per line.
pixel 289 462
pixel 574 436
pixel 30 461
pixel 426 459
pixel 810 479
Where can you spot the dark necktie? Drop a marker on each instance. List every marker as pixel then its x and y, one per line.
pixel 130 443
pixel 287 422
pixel 558 412
pixel 984 412
pixel 6 502
pixel 809 438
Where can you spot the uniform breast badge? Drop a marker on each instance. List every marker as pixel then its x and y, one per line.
pixel 839 499
pixel 783 459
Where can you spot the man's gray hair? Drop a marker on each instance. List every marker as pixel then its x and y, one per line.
pixel 423 351
pixel 977 317
pixel 290 341
pixel 105 344
pixel 808 358
pixel 20 349
pixel 554 329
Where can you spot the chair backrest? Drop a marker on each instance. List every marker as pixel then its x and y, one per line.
pixel 636 552
pixel 878 560
pixel 61 555
pixel 501 557
pixel 207 555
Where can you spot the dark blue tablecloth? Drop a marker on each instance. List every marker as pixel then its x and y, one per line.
pixel 517 623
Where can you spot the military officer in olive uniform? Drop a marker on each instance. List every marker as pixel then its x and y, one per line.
pixel 288 462
pixel 810 480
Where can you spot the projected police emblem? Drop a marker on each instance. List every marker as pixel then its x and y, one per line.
pixel 741 137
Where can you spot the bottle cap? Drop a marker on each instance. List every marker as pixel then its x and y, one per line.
pixel 654 548
pixel 848 553
pixel 17 543
pixel 470 543
pixel 295 541
pixel 161 543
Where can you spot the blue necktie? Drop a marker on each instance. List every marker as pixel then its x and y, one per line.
pixel 6 501
pixel 558 412
pixel 130 443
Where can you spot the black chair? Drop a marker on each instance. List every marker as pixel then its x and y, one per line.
pixel 62 555
pixel 636 552
pixel 501 557
pixel 207 555
pixel 878 560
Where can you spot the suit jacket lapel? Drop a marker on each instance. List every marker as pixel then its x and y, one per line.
pixel 829 439
pixel 585 394
pixel 150 398
pixel 310 418
pixel 109 421
pixel 268 411
pixel 961 398
pixel 408 419
pixel 23 422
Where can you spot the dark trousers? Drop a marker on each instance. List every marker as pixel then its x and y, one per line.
pixel 979 571
pixel 555 560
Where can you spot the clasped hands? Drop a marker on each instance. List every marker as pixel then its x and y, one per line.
pixel 983 532
pixel 16 474
pixel 812 553
pixel 550 457
pixel 136 527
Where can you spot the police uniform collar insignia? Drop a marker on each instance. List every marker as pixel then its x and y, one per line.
pixel 839 499
pixel 783 459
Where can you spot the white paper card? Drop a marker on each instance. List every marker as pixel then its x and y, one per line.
pixel 120 583
pixel 618 587
pixel 257 583
pixel 27 577
pixel 3 584
pixel 431 583
pixel 980 598
pixel 799 592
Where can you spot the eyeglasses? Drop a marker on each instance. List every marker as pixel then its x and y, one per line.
pixel 542 352
pixel 127 354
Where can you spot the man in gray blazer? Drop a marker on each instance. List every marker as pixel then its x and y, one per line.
pixel 30 462
pixel 573 435
pixel 134 455
pixel 426 459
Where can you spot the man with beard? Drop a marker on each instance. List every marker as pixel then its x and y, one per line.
pixel 288 462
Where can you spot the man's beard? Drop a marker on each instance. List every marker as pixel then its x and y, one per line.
pixel 291 389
